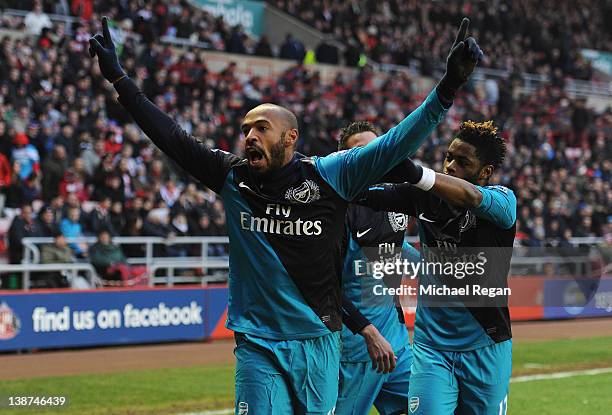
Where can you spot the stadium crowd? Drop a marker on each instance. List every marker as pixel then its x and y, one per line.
pixel 65 140
pixel 532 36
pixel 148 21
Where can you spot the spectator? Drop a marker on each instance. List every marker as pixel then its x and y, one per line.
pixel 169 192
pixel 263 47
pixel 46 222
pixel 107 258
pixel 156 224
pixel 45 41
pixel 57 207
pixel 26 155
pixel 235 44
pixel 5 180
pixel 204 227
pixel 92 157
pixel 56 253
pixel 23 226
pixel 36 20
pixel 133 227
pixel 82 8
pixel 112 188
pixel 117 218
pixel 54 168
pixel 30 188
pixel 73 182
pixel 100 218
pixel 327 53
pixel 66 137
pixel 178 228
pixel 580 121
pixel 71 228
pixel 253 95
pixel 292 49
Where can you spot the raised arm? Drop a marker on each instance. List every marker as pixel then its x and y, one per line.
pixel 209 166
pixel 350 172
pixel 496 204
pixel 388 197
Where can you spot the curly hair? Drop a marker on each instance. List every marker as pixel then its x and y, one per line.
pixel 490 146
pixel 352 129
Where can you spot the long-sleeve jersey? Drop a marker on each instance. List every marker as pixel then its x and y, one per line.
pixel 284 226
pixel 373 237
pixel 447 233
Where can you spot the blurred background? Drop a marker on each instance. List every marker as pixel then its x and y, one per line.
pixel 73 163
pixel 99 231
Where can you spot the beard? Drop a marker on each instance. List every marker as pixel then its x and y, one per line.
pixel 273 158
pixel 277 154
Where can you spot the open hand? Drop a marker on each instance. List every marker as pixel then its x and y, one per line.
pixel 379 349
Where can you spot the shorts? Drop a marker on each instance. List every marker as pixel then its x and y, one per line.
pixel 473 382
pixel 361 387
pixel 288 376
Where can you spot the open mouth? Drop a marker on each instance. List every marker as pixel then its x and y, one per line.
pixel 255 156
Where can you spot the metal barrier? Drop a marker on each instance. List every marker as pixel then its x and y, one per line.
pixel 213 268
pixel 70 268
pixel 31 255
pixel 67 20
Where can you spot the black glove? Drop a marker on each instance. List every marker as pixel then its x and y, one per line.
pixel 413 172
pixel 103 46
pixel 461 62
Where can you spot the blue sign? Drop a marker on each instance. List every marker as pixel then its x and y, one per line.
pixel 599 59
pixel 578 298
pixel 246 13
pixel 73 318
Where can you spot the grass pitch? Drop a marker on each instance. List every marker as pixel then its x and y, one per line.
pixel 173 391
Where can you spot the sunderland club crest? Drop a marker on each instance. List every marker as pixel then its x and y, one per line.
pixel 9 322
pixel 398 221
pixel 307 192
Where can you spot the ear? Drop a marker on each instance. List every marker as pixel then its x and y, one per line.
pixel 291 137
pixel 485 173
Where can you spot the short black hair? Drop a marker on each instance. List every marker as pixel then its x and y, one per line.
pixel 104 229
pixel 490 146
pixel 353 128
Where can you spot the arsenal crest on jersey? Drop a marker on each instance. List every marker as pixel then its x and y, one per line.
pixel 467 222
pixel 307 192
pixel 398 221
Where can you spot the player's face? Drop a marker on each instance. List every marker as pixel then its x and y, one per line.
pixel 360 139
pixel 265 143
pixel 461 161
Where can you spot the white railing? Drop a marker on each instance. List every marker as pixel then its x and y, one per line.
pixel 66 19
pixel 31 255
pixel 215 268
pixel 71 269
